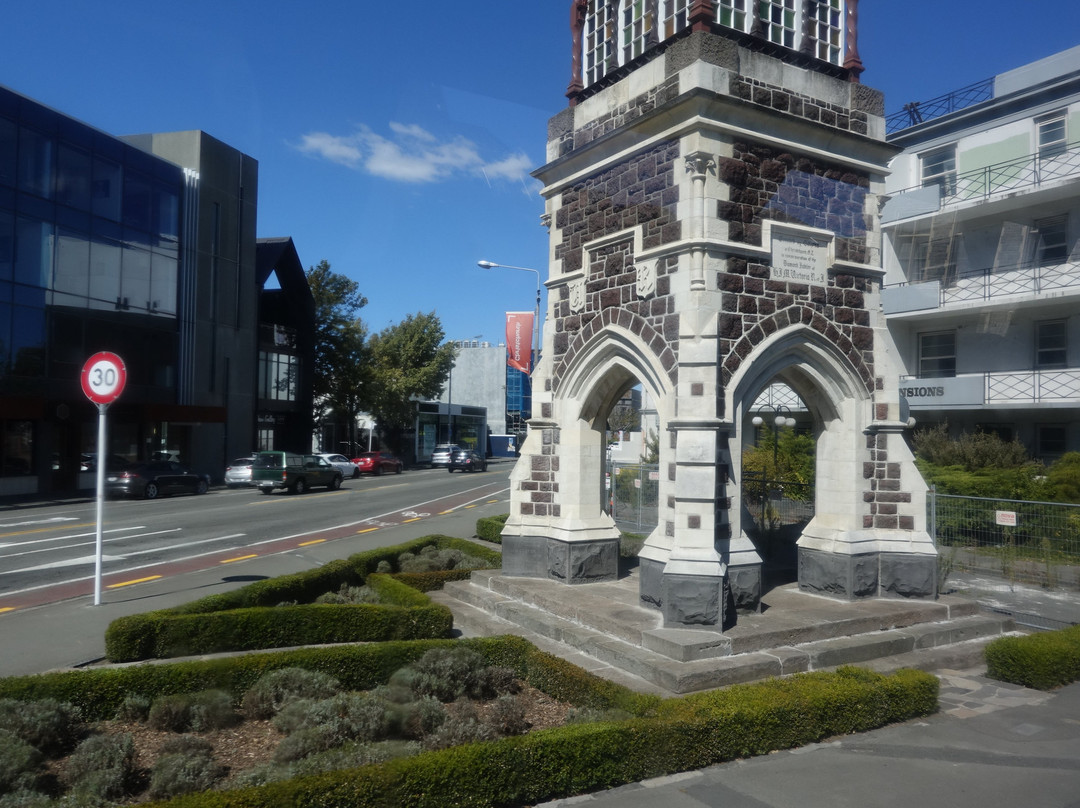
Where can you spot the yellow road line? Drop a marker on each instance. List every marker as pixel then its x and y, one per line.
pixel 448 510
pixel 414 519
pixel 367 530
pixel 308 543
pixel 240 558
pixel 491 501
pixel 136 581
pixel 7 609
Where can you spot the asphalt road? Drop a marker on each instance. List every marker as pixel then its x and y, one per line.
pixel 48 552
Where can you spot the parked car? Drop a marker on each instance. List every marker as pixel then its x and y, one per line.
pixel 378 463
pixel 238 472
pixel 154 479
pixel 347 467
pixel 441 455
pixel 467 460
pixel 294 472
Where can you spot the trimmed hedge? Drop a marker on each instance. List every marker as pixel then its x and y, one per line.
pixel 664 737
pixel 264 614
pixel 489 528
pixel 576 759
pixel 1044 661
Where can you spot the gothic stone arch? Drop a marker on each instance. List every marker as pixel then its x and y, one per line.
pixel 713 222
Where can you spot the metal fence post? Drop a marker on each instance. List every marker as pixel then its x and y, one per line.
pixel 933 514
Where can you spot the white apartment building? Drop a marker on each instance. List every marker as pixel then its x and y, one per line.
pixel 981 224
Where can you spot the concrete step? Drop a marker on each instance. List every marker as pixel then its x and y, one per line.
pixel 602 628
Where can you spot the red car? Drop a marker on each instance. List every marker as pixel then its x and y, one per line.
pixel 377 463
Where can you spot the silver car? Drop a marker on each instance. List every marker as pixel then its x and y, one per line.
pixel 238 472
pixel 441 455
pixel 349 470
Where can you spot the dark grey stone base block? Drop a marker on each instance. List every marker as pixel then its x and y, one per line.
pixel 846 577
pixel 651 583
pixel 583 562
pixel 908 576
pixel 745 583
pixel 525 556
pixel 695 601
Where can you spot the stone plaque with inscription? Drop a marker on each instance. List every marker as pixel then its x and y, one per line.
pixel 799 259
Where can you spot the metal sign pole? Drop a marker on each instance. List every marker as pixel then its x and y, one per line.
pixel 100 515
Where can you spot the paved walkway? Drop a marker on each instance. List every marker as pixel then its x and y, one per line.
pixel 992 745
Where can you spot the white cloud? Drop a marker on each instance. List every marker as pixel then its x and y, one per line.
pixel 411 154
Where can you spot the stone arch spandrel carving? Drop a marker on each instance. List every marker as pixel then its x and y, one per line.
pixel 618 332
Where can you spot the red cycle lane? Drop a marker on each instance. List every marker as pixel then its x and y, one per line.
pixel 67 590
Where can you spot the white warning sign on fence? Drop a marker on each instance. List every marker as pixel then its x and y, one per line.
pixel 1005 518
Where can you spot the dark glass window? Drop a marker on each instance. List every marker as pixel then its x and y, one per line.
pixel 73 177
pixel 7 246
pixel 1053 240
pixel 136 201
pixel 937 354
pixel 33 252
pixel 1052 439
pixel 106 189
pixel 8 139
pixel 166 214
pixel 28 341
pixel 1050 344
pixel 36 158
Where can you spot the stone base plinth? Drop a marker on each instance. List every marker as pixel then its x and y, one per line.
pixel 571 562
pixel 867 575
pixel 696 601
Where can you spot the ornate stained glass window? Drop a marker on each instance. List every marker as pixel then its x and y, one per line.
pixel 828 30
pixel 780 21
pixel 735 14
pixel 601 53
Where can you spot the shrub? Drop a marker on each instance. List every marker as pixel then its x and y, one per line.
pixel 20 763
pixel 444 673
pixel 192 712
pixel 350 594
pixel 508 716
pixel 185 765
pixel 50 726
pixel 275 689
pixel 461 728
pixel 102 767
pixel 26 798
pixel 1045 660
pixel 334 721
pixel 135 707
pixel 489 528
pixel 971 451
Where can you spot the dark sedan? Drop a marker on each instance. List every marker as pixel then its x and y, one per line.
pixel 155 479
pixel 467 460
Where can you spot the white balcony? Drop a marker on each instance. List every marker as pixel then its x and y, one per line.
pixel 996 388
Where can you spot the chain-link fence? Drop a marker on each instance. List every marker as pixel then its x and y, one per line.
pixel 632 492
pixel 1018 541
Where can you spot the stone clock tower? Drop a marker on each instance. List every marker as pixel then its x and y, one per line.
pixel 712 191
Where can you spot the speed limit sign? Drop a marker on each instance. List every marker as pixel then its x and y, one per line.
pixel 103 377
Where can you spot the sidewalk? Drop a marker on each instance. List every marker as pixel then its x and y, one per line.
pixel 993 745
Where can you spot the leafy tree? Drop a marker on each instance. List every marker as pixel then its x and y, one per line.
pixel 794 456
pixel 409 360
pixel 341 371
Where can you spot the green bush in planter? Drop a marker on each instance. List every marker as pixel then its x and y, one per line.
pixel 1044 661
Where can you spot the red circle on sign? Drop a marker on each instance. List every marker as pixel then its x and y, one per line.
pixel 103 377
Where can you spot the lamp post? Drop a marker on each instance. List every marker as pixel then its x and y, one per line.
pixel 779 421
pixel 536 316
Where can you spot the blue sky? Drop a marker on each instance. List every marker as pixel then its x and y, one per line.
pixel 397 145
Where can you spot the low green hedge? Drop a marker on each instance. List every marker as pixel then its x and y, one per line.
pixel 489 528
pixel 576 759
pixel 265 614
pixel 1044 661
pixel 665 736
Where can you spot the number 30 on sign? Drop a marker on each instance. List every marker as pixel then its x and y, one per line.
pixel 103 377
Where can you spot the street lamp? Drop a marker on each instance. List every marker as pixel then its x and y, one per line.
pixel 536 316
pixel 779 421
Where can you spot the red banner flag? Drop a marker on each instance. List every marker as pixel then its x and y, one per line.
pixel 519 328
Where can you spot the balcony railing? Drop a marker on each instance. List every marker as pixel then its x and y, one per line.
pixel 1021 279
pixel 922 111
pixel 994 387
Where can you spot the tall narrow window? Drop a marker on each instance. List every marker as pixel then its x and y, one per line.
pixel 675 16
pixel 1053 439
pixel 939 168
pixel 601 54
pixel 937 354
pixel 1051 344
pixel 1050 134
pixel 780 19
pixel 828 28
pixel 735 14
pixel 637 24
pixel 1053 234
